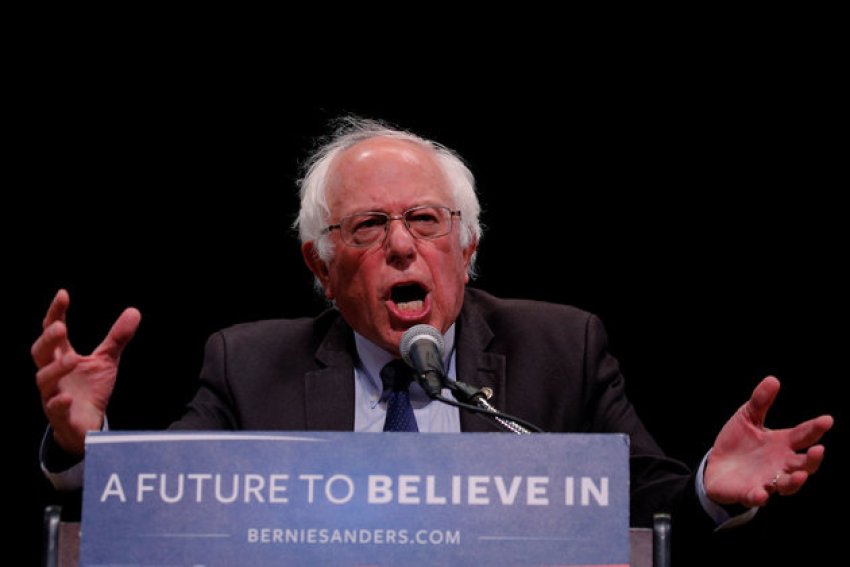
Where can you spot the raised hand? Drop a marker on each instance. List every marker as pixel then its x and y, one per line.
pixel 749 462
pixel 75 389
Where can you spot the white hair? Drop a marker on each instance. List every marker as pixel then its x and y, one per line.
pixel 314 215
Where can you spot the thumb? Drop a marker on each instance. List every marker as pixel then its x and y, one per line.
pixel 120 334
pixel 763 397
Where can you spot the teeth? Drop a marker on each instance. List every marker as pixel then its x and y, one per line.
pixel 410 305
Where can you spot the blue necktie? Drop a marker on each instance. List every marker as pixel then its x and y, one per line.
pixel 396 377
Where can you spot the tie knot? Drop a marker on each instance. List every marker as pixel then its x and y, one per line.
pixel 396 376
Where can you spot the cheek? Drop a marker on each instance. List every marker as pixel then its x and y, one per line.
pixel 351 276
pixel 450 271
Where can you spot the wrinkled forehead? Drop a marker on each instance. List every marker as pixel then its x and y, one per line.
pixel 386 174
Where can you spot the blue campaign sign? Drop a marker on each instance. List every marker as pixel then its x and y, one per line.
pixel 223 499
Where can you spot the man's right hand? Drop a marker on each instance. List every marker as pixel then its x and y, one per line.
pixel 75 389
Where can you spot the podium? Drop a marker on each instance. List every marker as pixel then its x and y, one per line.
pixel 330 498
pixel 648 547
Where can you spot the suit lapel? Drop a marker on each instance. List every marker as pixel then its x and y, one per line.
pixel 329 390
pixel 476 366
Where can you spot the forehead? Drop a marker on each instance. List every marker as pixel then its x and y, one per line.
pixel 386 174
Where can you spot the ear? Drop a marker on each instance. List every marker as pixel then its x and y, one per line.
pixel 468 254
pixel 317 266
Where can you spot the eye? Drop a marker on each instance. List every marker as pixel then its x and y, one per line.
pixel 423 216
pixel 367 222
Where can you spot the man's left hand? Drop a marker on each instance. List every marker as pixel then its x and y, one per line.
pixel 749 462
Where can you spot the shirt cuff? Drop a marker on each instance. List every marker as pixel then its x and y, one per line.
pixel 62 470
pixel 721 515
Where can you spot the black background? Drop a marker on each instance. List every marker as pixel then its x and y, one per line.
pixel 690 200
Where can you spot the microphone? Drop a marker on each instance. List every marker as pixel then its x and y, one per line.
pixel 422 349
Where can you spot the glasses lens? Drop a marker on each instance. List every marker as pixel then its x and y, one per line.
pixel 363 230
pixel 428 222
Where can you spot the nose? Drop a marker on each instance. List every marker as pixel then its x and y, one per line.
pixel 399 245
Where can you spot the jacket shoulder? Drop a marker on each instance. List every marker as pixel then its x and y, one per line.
pixel 279 335
pixel 525 312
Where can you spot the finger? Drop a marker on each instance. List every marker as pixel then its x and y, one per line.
pixel 796 461
pixel 47 378
pixel 58 410
pixel 756 497
pixel 789 484
pixel 763 396
pixel 809 432
pixel 58 308
pixel 120 334
pixel 814 458
pixel 53 339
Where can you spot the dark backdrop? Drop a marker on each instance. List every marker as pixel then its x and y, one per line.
pixel 694 209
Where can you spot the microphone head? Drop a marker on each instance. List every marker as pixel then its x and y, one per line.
pixel 418 333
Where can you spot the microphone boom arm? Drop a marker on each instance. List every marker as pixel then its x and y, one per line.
pixel 477 397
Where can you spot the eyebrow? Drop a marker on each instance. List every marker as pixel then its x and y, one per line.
pixel 368 211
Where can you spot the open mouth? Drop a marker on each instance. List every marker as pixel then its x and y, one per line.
pixel 408 297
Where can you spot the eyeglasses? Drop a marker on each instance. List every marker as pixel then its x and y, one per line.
pixel 365 229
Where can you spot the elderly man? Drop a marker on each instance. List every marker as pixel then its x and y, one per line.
pixel 389 227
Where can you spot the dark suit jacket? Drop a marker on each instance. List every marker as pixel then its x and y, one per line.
pixel 546 363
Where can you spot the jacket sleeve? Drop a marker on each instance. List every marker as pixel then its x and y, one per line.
pixel 658 483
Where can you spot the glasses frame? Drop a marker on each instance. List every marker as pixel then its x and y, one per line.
pixel 390 218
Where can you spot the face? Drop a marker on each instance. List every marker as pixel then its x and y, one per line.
pixel 386 288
